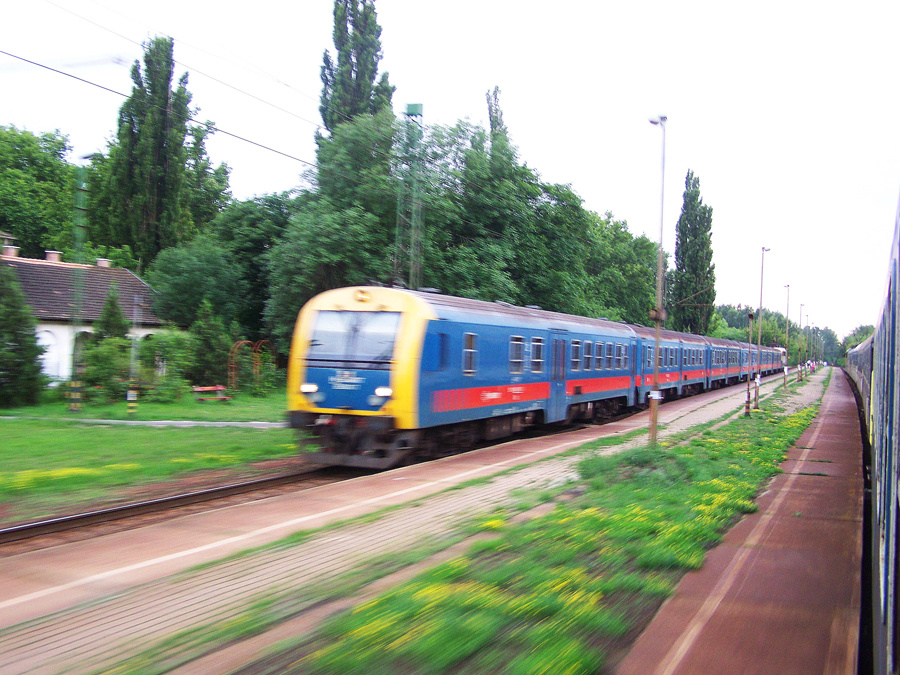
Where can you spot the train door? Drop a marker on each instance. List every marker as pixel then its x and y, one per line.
pixel 556 410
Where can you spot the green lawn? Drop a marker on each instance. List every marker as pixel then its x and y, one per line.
pixel 242 408
pixel 49 466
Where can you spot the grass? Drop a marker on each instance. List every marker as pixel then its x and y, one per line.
pixel 552 594
pixel 242 408
pixel 48 466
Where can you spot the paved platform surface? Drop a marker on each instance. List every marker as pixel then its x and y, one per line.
pixel 781 594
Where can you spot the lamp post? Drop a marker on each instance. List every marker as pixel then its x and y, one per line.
pixel 749 352
pixel 787 333
pixel 759 330
pixel 799 342
pixel 658 315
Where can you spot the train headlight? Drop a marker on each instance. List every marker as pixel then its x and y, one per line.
pixel 308 388
pixel 384 392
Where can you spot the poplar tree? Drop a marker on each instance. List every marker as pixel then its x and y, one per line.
pixel 694 286
pixel 348 84
pixel 139 191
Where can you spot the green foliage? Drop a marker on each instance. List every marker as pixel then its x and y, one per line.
pixel 248 230
pixel 856 337
pixel 211 344
pixel 36 184
pixel 165 358
pixel 112 322
pixel 348 85
pixel 155 187
pixel 694 288
pixel 107 368
pixel 21 380
pixel 184 276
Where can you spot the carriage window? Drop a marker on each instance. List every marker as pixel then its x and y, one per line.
pixel 685 353
pixel 537 355
pixel 661 357
pixel 516 354
pixel 649 351
pixel 576 354
pixel 470 353
pixel 619 351
pixel 609 355
pixel 599 352
pixel 588 355
pixel 672 356
pixel 625 356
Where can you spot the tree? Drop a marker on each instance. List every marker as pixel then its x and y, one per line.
pixel 211 344
pixel 694 287
pixel 153 190
pixel 20 354
pixel 112 322
pixel 248 230
pixel 35 189
pixel 856 337
pixel 200 270
pixel 348 85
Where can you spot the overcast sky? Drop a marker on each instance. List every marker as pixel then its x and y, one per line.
pixel 785 110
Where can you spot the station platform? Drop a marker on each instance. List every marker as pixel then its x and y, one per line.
pixel 782 592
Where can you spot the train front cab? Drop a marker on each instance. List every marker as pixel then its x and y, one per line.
pixel 353 373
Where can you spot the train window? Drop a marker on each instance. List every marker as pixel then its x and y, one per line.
pixel 470 353
pixel 619 351
pixel 685 355
pixel 671 356
pixel 434 352
pixel 576 354
pixel 598 347
pixel 516 354
pixel 588 355
pixel 649 352
pixel 609 355
pixel 537 355
pixel 625 356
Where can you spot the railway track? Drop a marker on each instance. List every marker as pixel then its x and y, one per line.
pixel 132 514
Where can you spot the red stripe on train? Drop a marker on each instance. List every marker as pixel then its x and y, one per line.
pixel 479 397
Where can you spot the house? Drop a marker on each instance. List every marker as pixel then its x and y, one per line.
pixel 50 287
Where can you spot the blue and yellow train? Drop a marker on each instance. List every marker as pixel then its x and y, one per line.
pixel 874 366
pixel 385 376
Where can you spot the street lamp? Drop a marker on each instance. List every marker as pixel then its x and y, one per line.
pixel 658 315
pixel 759 330
pixel 787 333
pixel 799 342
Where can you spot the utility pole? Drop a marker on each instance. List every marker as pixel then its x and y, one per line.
pixel 759 330
pixel 409 203
pixel 749 352
pixel 78 288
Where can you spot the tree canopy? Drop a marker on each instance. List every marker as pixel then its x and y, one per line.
pixel 348 83
pixel 149 189
pixel 35 189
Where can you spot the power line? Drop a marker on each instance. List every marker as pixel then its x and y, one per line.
pixel 191 118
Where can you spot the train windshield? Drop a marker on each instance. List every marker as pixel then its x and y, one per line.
pixel 344 339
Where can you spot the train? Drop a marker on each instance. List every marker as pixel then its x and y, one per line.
pixel 380 377
pixel 873 368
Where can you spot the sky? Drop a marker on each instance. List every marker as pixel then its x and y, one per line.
pixel 785 110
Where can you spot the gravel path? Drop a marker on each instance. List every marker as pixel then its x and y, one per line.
pixel 98 636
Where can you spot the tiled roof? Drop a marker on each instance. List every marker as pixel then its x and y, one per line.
pixel 49 289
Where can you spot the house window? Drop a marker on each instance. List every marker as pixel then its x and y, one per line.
pixel 470 353
pixel 516 354
pixel 537 355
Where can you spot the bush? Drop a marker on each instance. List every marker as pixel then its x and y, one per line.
pixel 107 366
pixel 21 380
pixel 165 358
